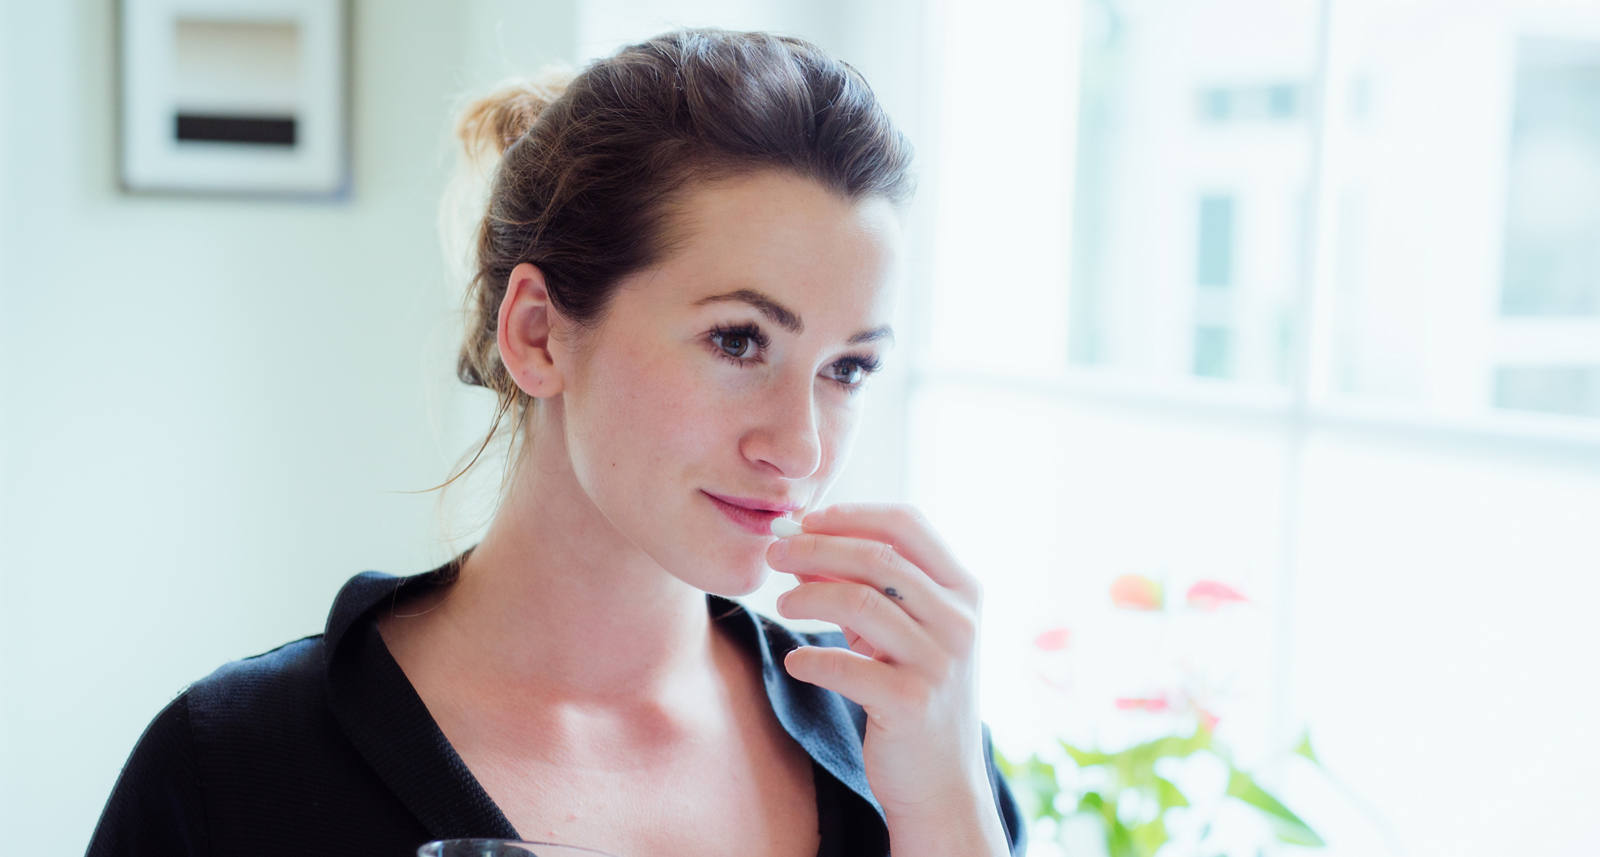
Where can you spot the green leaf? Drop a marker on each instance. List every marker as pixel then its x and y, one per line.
pixel 1034 781
pixel 1169 795
pixel 1150 836
pixel 1119 841
pixel 1170 747
pixel 1008 768
pixel 1287 826
pixel 1085 758
pixel 1108 813
pixel 1130 770
pixel 1304 749
pixel 1133 761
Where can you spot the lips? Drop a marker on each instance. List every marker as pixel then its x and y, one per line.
pixel 753 515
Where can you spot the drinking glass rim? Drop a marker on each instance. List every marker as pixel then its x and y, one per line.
pixel 469 840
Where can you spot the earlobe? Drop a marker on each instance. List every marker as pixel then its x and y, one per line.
pixel 524 333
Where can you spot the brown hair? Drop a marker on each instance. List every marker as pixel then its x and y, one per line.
pixel 590 165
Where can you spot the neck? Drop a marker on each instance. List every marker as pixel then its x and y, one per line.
pixel 554 600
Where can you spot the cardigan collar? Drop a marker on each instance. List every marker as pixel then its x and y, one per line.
pixel 391 727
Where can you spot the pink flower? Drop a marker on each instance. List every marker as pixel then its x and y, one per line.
pixel 1053 640
pixel 1152 704
pixel 1060 684
pixel 1209 595
pixel 1208 720
pixel 1136 592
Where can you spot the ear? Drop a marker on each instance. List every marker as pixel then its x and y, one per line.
pixel 524 333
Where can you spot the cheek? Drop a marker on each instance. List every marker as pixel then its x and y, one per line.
pixel 655 410
pixel 836 429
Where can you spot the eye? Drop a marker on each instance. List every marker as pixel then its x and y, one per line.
pixel 742 345
pixel 846 373
pixel 851 372
pixel 735 345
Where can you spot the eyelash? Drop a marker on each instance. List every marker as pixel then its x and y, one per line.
pixel 867 365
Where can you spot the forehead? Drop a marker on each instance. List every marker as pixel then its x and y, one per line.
pixel 784 235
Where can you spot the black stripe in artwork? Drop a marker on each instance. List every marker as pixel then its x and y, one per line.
pixel 267 130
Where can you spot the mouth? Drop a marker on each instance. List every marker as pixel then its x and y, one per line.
pixel 751 515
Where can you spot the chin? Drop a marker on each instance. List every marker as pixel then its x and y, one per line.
pixel 734 578
pixel 728 570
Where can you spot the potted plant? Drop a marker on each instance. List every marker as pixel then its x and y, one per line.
pixel 1163 794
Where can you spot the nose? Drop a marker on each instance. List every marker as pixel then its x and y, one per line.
pixel 786 437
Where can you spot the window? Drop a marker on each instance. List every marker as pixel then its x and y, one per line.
pixel 1550 283
pixel 1552 224
pixel 1571 390
pixel 1303 297
pixel 1211 352
pixel 1215 264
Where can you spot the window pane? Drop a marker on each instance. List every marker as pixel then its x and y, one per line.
pixel 1572 390
pixel 1212 358
pixel 1192 159
pixel 1464 161
pixel 998 266
pixel 1552 222
pixel 1215 265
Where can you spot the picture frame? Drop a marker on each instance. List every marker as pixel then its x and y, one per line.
pixel 234 97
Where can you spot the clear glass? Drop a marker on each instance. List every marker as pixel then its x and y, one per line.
pixel 504 848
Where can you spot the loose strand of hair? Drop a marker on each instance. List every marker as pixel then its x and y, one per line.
pixel 506 400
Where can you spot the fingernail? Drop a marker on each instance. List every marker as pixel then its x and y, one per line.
pixel 779 549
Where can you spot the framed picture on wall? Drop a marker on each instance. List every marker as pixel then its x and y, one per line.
pixel 244 97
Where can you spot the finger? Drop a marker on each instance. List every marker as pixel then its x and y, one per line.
pixel 858 644
pixel 876 564
pixel 851 638
pixel 871 684
pixel 893 635
pixel 899 525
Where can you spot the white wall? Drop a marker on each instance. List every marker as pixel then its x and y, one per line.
pixel 209 404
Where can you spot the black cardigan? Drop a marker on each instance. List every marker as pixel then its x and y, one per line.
pixel 321 746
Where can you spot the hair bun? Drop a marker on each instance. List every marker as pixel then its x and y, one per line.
pixel 493 123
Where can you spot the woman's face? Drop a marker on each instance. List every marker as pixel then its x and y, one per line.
pixel 725 382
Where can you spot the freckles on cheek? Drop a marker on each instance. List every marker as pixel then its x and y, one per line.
pixel 674 406
pixel 837 434
pixel 686 425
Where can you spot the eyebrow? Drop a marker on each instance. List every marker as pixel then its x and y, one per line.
pixel 785 317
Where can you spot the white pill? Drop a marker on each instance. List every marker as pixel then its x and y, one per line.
pixel 785 527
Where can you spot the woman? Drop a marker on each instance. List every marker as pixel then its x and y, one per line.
pixel 682 285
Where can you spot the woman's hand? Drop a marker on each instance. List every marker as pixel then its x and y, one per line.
pixel 910 614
